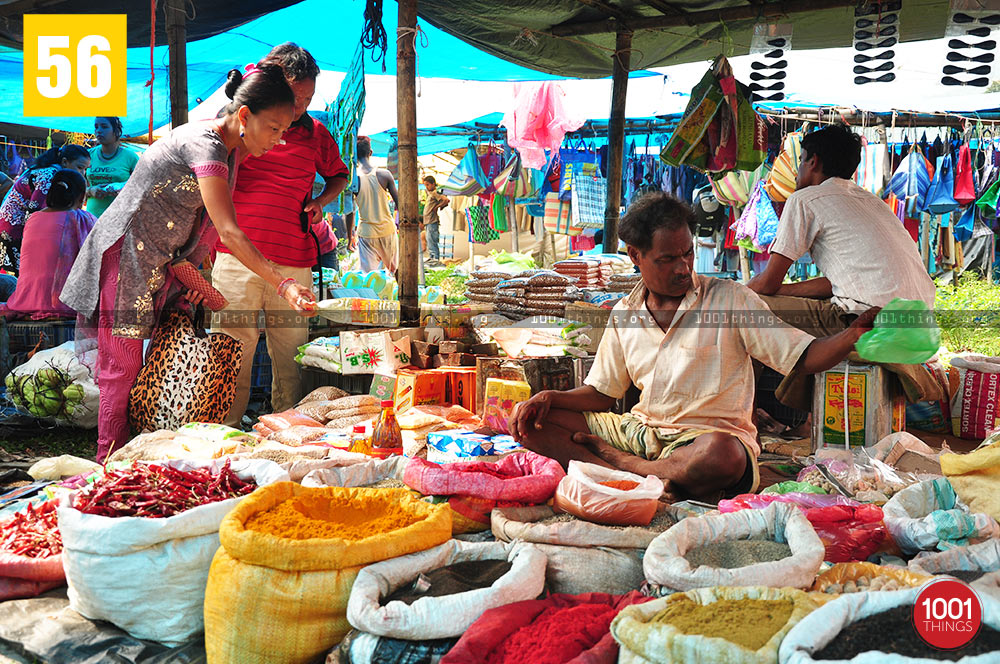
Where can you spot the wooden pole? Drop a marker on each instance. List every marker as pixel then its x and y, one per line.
pixel 406 121
pixel 176 11
pixel 512 224
pixel 616 139
pixel 925 240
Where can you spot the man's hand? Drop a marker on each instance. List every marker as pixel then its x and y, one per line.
pixel 96 192
pixel 529 415
pixel 313 209
pixel 352 242
pixel 866 321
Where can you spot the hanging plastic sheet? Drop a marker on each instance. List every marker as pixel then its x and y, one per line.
pixel 539 121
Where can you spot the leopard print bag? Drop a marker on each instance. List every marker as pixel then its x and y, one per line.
pixel 189 376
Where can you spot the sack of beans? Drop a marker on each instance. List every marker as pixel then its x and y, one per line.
pixel 278 587
pixel 878 628
pixel 866 577
pixel 929 515
pixel 608 496
pixel 30 552
pixel 377 473
pixel 324 393
pixel 711 626
pixel 440 592
pixel 136 553
pixel 591 569
pixel 775 546
pixel 542 525
pixel 473 489
pixel 965 563
pixel 556 630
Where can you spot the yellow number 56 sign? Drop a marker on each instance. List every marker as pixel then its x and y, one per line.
pixel 74 64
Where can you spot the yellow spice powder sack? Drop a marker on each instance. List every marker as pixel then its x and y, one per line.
pixel 312 516
pixel 746 622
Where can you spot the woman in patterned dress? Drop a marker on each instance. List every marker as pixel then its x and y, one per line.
pixel 28 194
pixel 175 206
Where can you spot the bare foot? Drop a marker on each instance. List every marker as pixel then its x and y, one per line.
pixel 625 461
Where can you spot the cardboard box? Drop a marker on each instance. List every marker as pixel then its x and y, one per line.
pixel 500 399
pixel 594 316
pixel 874 405
pixel 460 388
pixel 417 388
pixel 383 386
pixel 540 373
pixel 377 351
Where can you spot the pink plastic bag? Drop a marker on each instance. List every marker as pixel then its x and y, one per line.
pixel 581 494
pixel 526 478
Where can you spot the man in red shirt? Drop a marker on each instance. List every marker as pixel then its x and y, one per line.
pixel 273 196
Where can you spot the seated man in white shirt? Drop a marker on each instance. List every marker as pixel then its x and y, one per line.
pixel 686 342
pixel 859 245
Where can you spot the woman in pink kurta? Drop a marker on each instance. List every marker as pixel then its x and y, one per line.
pixel 52 239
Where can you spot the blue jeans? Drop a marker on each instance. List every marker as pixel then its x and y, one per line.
pixel 433 240
pixel 8 283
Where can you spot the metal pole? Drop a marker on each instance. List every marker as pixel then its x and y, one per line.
pixel 616 139
pixel 406 121
pixel 176 11
pixel 512 224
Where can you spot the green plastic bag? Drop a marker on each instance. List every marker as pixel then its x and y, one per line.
pixel 904 333
pixel 793 487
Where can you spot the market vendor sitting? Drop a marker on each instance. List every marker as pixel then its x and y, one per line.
pixel 686 342
pixel 857 242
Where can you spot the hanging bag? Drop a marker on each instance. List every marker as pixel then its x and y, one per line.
pixel 911 181
pixel 480 231
pixel 557 216
pixel 468 178
pixel 513 181
pixel 573 161
pixel 589 201
pixel 731 188
pixel 940 197
pixel 189 375
pixel 965 187
pixel 781 181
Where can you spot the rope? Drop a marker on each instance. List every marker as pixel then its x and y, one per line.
pixel 152 69
pixel 373 35
pixel 424 43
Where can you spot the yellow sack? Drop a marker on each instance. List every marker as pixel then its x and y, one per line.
pixel 842 573
pixel 781 181
pixel 976 477
pixel 642 640
pixel 278 600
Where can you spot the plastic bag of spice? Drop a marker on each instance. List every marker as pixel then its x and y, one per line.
pixel 608 496
pixel 560 629
pixel 711 626
pixel 30 553
pixel 864 576
pixel 982 558
pixel 278 587
pixel 147 575
pixel 666 561
pixel 438 616
pixel 845 624
pixel 929 516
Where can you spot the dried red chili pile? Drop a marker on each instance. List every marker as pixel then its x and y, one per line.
pixel 557 635
pixel 33 533
pixel 156 492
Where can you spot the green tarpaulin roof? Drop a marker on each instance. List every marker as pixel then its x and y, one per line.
pixel 525 31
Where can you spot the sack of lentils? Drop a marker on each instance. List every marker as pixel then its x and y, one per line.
pixel 775 546
pixel 711 626
pixel 877 628
pixel 542 525
pixel 278 587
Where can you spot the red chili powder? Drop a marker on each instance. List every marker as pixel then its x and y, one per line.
pixel 557 635
pixel 624 485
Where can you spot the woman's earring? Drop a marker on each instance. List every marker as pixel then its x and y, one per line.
pixel 242 128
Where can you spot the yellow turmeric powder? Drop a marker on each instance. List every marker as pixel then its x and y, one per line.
pixel 312 516
pixel 746 622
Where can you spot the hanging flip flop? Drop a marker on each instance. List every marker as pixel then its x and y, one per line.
pixel 885 66
pixel 958 57
pixel 883 32
pixel 981 70
pixel 780 64
pixel 867 22
pixel 975 83
pixel 756 87
pixel 775 97
pixel 979 32
pixel 987 45
pixel 866 46
pixel 884 78
pixel 776 76
pixel 777 43
pixel 884 55
pixel 993 19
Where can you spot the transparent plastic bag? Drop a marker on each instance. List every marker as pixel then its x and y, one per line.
pixel 904 333
pixel 581 494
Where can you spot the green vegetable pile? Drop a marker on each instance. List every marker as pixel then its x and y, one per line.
pixel 449 280
pixel 48 393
